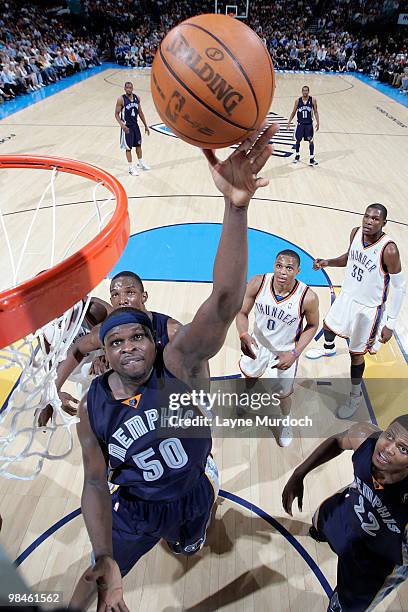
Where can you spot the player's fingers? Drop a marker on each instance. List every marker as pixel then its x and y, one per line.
pixel 210 156
pixel 123 607
pixel 300 502
pixel 267 132
pixel 261 182
pixel 259 162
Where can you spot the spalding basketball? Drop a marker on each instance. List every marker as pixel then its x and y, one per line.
pixel 212 81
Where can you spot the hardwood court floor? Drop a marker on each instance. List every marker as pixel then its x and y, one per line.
pixel 361 150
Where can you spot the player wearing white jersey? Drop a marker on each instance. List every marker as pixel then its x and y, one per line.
pixel 278 338
pixel 372 264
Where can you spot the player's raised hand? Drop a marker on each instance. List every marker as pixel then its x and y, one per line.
pixel 386 335
pixel 236 177
pixel 106 574
pixel 318 264
pixel 293 489
pixel 68 403
pixel 247 342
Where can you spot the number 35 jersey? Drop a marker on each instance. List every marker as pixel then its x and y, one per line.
pixel 365 279
pixel 152 449
pixel 278 320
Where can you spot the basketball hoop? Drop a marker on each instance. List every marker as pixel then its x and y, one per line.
pixel 40 316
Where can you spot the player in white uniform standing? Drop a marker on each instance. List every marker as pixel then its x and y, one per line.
pixel 372 263
pixel 278 338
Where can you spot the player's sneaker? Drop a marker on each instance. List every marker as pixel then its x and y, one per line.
pixel 188 550
pixel 143 166
pixel 313 162
pixel 316 353
pixel 285 436
pixel 133 171
pixel 349 408
pixel 296 160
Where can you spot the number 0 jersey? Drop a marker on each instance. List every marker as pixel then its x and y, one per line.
pixel 278 321
pixel 365 279
pixel 153 460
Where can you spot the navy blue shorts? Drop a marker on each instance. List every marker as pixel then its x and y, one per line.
pixel 132 139
pixel 139 525
pixel 304 131
pixel 362 576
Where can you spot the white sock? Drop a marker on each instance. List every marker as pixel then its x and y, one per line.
pixel 140 161
pixel 355 391
pixel 130 165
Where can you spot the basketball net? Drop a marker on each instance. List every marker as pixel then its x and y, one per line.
pixel 33 360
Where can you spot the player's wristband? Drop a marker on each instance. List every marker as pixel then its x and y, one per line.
pixel 244 334
pixel 295 353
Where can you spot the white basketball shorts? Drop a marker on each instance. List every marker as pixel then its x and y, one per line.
pixel 264 365
pixel 361 324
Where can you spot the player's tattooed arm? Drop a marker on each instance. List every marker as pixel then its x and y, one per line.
pixel 327 450
pixel 316 113
pixel 142 117
pixel 236 178
pixel 241 321
pixel 293 113
pixel 337 262
pixel 118 110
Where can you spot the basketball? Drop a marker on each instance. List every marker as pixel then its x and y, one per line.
pixel 212 81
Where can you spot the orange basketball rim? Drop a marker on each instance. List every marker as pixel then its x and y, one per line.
pixel 33 303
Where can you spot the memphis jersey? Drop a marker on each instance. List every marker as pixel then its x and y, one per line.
pixel 130 110
pixel 367 520
pixel 160 328
pixel 278 321
pixel 304 111
pixel 365 279
pixel 153 460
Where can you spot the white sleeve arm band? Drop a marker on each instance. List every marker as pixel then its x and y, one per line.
pixel 397 297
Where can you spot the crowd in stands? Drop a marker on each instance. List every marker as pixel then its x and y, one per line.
pixel 37 48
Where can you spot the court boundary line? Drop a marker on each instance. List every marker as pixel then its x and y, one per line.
pixel 201 195
pixel 240 501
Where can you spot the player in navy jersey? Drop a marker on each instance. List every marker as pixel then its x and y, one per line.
pixel 365 524
pixel 128 108
pixel 164 488
pixel 126 289
pixel 304 108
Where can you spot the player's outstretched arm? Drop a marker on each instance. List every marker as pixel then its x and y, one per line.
pixel 97 512
pixel 327 450
pixel 81 347
pixel 236 178
pixel 242 322
pixel 337 262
